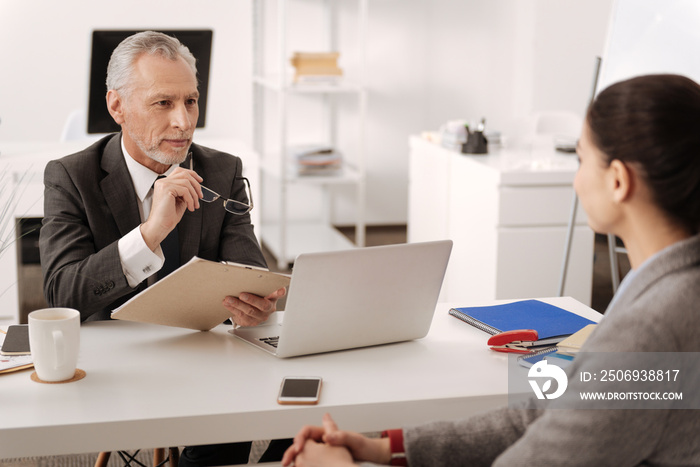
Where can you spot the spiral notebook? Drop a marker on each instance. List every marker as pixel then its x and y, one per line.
pixel 553 324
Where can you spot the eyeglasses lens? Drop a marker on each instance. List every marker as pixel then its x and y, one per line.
pixel 236 207
pixel 208 195
pixel 232 206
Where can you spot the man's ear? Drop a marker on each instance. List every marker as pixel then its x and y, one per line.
pixel 115 105
pixel 622 179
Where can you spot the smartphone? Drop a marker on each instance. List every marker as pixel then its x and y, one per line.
pixel 16 341
pixel 300 390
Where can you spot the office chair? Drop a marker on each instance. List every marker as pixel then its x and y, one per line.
pixel 75 128
pixel 159 458
pixel 553 122
pixel 547 127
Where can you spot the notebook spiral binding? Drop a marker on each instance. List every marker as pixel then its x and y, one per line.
pixel 477 324
pixel 537 353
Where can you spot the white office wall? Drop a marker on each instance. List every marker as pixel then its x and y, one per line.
pixel 568 36
pixel 504 59
pixel 428 61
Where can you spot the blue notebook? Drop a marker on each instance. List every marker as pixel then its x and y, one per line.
pixel 552 323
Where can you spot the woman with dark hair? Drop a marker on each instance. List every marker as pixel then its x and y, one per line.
pixel 639 178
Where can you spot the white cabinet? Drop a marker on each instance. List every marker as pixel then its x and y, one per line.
pixel 507 213
pixel 298 210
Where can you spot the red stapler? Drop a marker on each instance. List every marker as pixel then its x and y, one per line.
pixel 516 341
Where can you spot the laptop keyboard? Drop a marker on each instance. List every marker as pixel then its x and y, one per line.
pixel 273 341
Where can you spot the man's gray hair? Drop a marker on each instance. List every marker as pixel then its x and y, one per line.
pixel 153 43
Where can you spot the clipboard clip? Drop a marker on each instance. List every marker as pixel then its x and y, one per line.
pixel 247 266
pixel 515 341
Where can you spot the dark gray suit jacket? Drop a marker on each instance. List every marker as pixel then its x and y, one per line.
pixel 90 203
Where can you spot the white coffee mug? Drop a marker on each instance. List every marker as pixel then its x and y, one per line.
pixel 54 340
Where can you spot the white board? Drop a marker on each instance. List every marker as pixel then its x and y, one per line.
pixel 651 36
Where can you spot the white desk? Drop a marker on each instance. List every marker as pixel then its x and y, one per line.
pixel 507 213
pixel 26 161
pixel 151 386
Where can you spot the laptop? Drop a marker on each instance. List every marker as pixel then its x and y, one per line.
pixel 355 298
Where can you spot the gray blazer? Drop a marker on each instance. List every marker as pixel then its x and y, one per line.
pixel 658 311
pixel 90 203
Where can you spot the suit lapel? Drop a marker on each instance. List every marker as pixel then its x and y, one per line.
pixel 117 188
pixel 190 226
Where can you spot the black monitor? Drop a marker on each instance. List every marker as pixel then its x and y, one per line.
pixel 105 41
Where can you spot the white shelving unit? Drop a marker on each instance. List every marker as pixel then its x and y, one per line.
pixel 272 81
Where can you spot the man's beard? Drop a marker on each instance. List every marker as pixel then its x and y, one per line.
pixel 153 152
pixel 161 157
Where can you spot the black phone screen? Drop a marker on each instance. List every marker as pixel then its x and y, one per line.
pixel 300 387
pixel 16 341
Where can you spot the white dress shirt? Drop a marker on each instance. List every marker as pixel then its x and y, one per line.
pixel 138 261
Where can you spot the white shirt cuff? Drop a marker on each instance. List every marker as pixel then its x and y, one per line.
pixel 138 261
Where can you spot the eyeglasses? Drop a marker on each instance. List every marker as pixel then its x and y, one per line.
pixel 231 205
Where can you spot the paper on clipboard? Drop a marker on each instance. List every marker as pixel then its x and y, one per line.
pixel 190 297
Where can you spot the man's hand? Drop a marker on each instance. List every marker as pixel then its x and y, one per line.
pixel 251 310
pixel 306 451
pixel 172 195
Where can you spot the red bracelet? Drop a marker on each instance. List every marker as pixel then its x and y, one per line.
pixel 398 454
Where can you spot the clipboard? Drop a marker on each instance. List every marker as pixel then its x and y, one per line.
pixel 190 297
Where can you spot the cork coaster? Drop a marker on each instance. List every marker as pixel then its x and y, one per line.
pixel 79 374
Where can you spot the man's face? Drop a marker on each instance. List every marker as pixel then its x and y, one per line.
pixel 160 111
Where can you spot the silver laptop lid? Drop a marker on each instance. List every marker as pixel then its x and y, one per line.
pixel 361 297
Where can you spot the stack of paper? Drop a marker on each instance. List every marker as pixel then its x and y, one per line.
pixel 572 344
pixel 453 134
pixel 316 160
pixel 316 66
